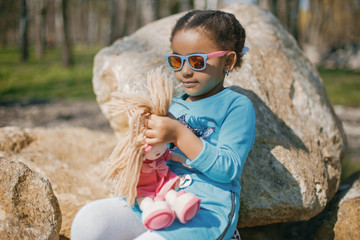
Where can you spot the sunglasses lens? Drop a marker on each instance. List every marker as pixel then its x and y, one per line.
pixel 197 62
pixel 175 62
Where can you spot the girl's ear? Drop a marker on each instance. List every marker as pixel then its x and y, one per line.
pixel 230 60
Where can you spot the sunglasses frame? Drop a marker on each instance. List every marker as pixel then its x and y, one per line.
pixel 186 58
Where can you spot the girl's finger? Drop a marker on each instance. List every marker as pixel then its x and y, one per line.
pixel 152 121
pixel 146 122
pixel 151 141
pixel 149 133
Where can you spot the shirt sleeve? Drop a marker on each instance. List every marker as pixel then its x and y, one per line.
pixel 224 162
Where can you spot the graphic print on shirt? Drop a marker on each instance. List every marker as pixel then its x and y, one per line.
pixel 201 132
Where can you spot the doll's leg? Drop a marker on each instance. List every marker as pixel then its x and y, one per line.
pixel 108 219
pixel 186 205
pixel 155 214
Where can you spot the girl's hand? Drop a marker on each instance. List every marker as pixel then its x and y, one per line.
pixel 160 129
pixel 167 130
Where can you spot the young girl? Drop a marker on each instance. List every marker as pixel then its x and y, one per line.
pixel 212 126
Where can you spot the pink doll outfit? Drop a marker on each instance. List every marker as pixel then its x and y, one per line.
pixel 155 178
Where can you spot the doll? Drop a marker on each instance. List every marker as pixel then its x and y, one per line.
pixel 139 170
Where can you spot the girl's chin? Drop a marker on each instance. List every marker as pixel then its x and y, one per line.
pixel 191 92
pixel 195 96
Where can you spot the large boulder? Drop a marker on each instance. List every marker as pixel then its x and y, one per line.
pixel 28 206
pixel 294 167
pixel 72 159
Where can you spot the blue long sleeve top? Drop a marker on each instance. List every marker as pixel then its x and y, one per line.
pixel 225 123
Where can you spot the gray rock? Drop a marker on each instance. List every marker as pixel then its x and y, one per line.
pixel 294 167
pixel 72 159
pixel 14 139
pixel 28 206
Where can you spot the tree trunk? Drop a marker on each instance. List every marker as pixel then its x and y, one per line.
pixel 40 18
pixel 24 22
pixel 281 12
pixel 185 5
pixel 93 24
pixel 206 4
pixel 269 5
pixel 293 18
pixel 287 13
pixel 84 24
pixel 148 11
pixel 131 23
pixel 63 28
pixel 5 11
pixel 112 8
pixel 164 8
pixel 121 18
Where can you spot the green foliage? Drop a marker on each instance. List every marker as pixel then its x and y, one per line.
pixel 350 165
pixel 342 86
pixel 46 79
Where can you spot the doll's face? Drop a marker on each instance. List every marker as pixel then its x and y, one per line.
pixel 156 151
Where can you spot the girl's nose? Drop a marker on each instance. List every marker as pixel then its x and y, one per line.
pixel 186 70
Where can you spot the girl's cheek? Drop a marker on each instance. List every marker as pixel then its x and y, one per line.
pixel 177 76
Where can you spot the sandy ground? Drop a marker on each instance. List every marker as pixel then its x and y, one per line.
pixel 54 114
pixel 88 115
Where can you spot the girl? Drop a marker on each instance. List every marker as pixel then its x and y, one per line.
pixel 212 126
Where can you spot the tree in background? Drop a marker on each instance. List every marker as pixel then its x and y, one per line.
pixel 40 18
pixel 286 12
pixel 24 22
pixel 127 16
pixel 330 28
pixel 331 22
pixel 62 23
pixel 38 10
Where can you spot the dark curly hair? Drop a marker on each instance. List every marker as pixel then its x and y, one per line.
pixel 221 27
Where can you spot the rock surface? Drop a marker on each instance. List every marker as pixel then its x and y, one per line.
pixel 294 167
pixel 28 206
pixel 342 216
pixel 71 158
pixel 339 221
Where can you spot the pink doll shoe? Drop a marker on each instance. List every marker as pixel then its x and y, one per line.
pixel 186 205
pixel 160 215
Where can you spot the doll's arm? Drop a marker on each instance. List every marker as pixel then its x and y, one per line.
pixel 179 158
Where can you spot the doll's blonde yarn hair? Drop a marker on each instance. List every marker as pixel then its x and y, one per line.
pixel 127 157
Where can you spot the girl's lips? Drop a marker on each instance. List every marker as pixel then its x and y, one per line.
pixel 189 84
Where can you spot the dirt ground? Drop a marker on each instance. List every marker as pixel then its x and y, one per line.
pixel 54 114
pixel 88 114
